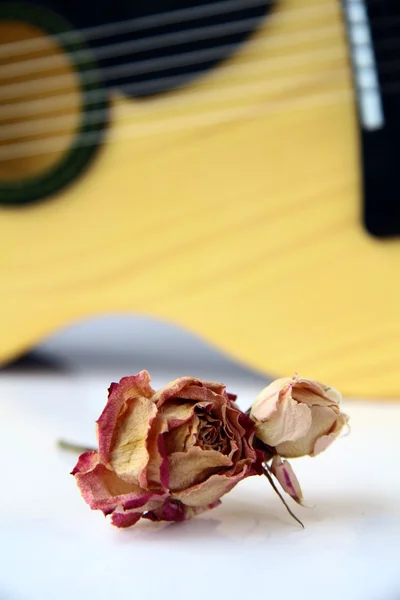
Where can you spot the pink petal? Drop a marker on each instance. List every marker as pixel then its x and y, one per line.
pixel 323 419
pixel 173 510
pixel 119 393
pixel 323 442
pixel 125 519
pixel 103 490
pixel 284 473
pixel 189 388
pixel 173 389
pixel 86 462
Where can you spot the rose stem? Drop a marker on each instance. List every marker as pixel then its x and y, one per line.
pixel 76 448
pixel 269 477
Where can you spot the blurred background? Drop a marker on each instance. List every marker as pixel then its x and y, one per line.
pixel 219 175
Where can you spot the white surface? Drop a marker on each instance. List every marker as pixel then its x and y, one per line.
pixel 54 548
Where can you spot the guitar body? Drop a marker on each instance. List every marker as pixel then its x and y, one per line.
pixel 229 206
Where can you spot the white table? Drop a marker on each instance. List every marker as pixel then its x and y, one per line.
pixel 52 547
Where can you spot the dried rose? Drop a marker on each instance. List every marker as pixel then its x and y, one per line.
pixel 166 455
pixel 298 417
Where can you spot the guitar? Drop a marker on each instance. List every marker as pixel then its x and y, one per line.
pixel 200 164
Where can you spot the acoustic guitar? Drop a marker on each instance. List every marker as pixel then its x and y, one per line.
pixel 208 164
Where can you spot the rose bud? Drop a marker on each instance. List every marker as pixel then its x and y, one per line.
pixel 166 455
pixel 298 417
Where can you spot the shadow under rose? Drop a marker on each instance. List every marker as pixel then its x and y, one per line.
pixel 234 519
pixel 237 519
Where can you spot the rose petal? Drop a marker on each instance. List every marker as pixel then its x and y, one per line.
pixel 284 473
pixel 176 413
pixel 231 416
pixel 122 519
pixel 183 437
pixel 267 400
pixel 200 393
pixel 129 454
pixel 312 394
pixel 173 510
pixel 189 388
pixel 323 418
pixel 210 490
pixel 86 462
pixel 157 473
pixel 119 393
pixel 189 468
pixel 332 393
pixel 289 422
pixel 103 490
pixel 324 441
pixel 173 389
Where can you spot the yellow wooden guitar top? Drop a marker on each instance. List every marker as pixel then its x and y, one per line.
pixel 231 207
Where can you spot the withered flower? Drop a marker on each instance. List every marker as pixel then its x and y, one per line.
pixel 167 454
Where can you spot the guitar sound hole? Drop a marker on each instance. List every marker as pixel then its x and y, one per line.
pixel 207 32
pixel 52 118
pixel 141 48
pixel 30 143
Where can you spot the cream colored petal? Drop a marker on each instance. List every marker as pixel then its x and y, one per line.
pixel 189 468
pixel 182 437
pixel 290 422
pixel 129 454
pixel 332 393
pixel 323 418
pixel 324 441
pixel 173 389
pixel 284 473
pixel 315 393
pixel 266 402
pixel 157 466
pixel 209 491
pixel 177 413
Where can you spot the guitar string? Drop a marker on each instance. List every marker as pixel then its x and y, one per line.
pixel 104 31
pixel 115 50
pixel 54 124
pixel 132 68
pixel 190 96
pixel 241 89
pixel 152 65
pixel 155 64
pixel 148 22
pixel 55 101
pixel 171 125
pixel 17 129
pixel 179 124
